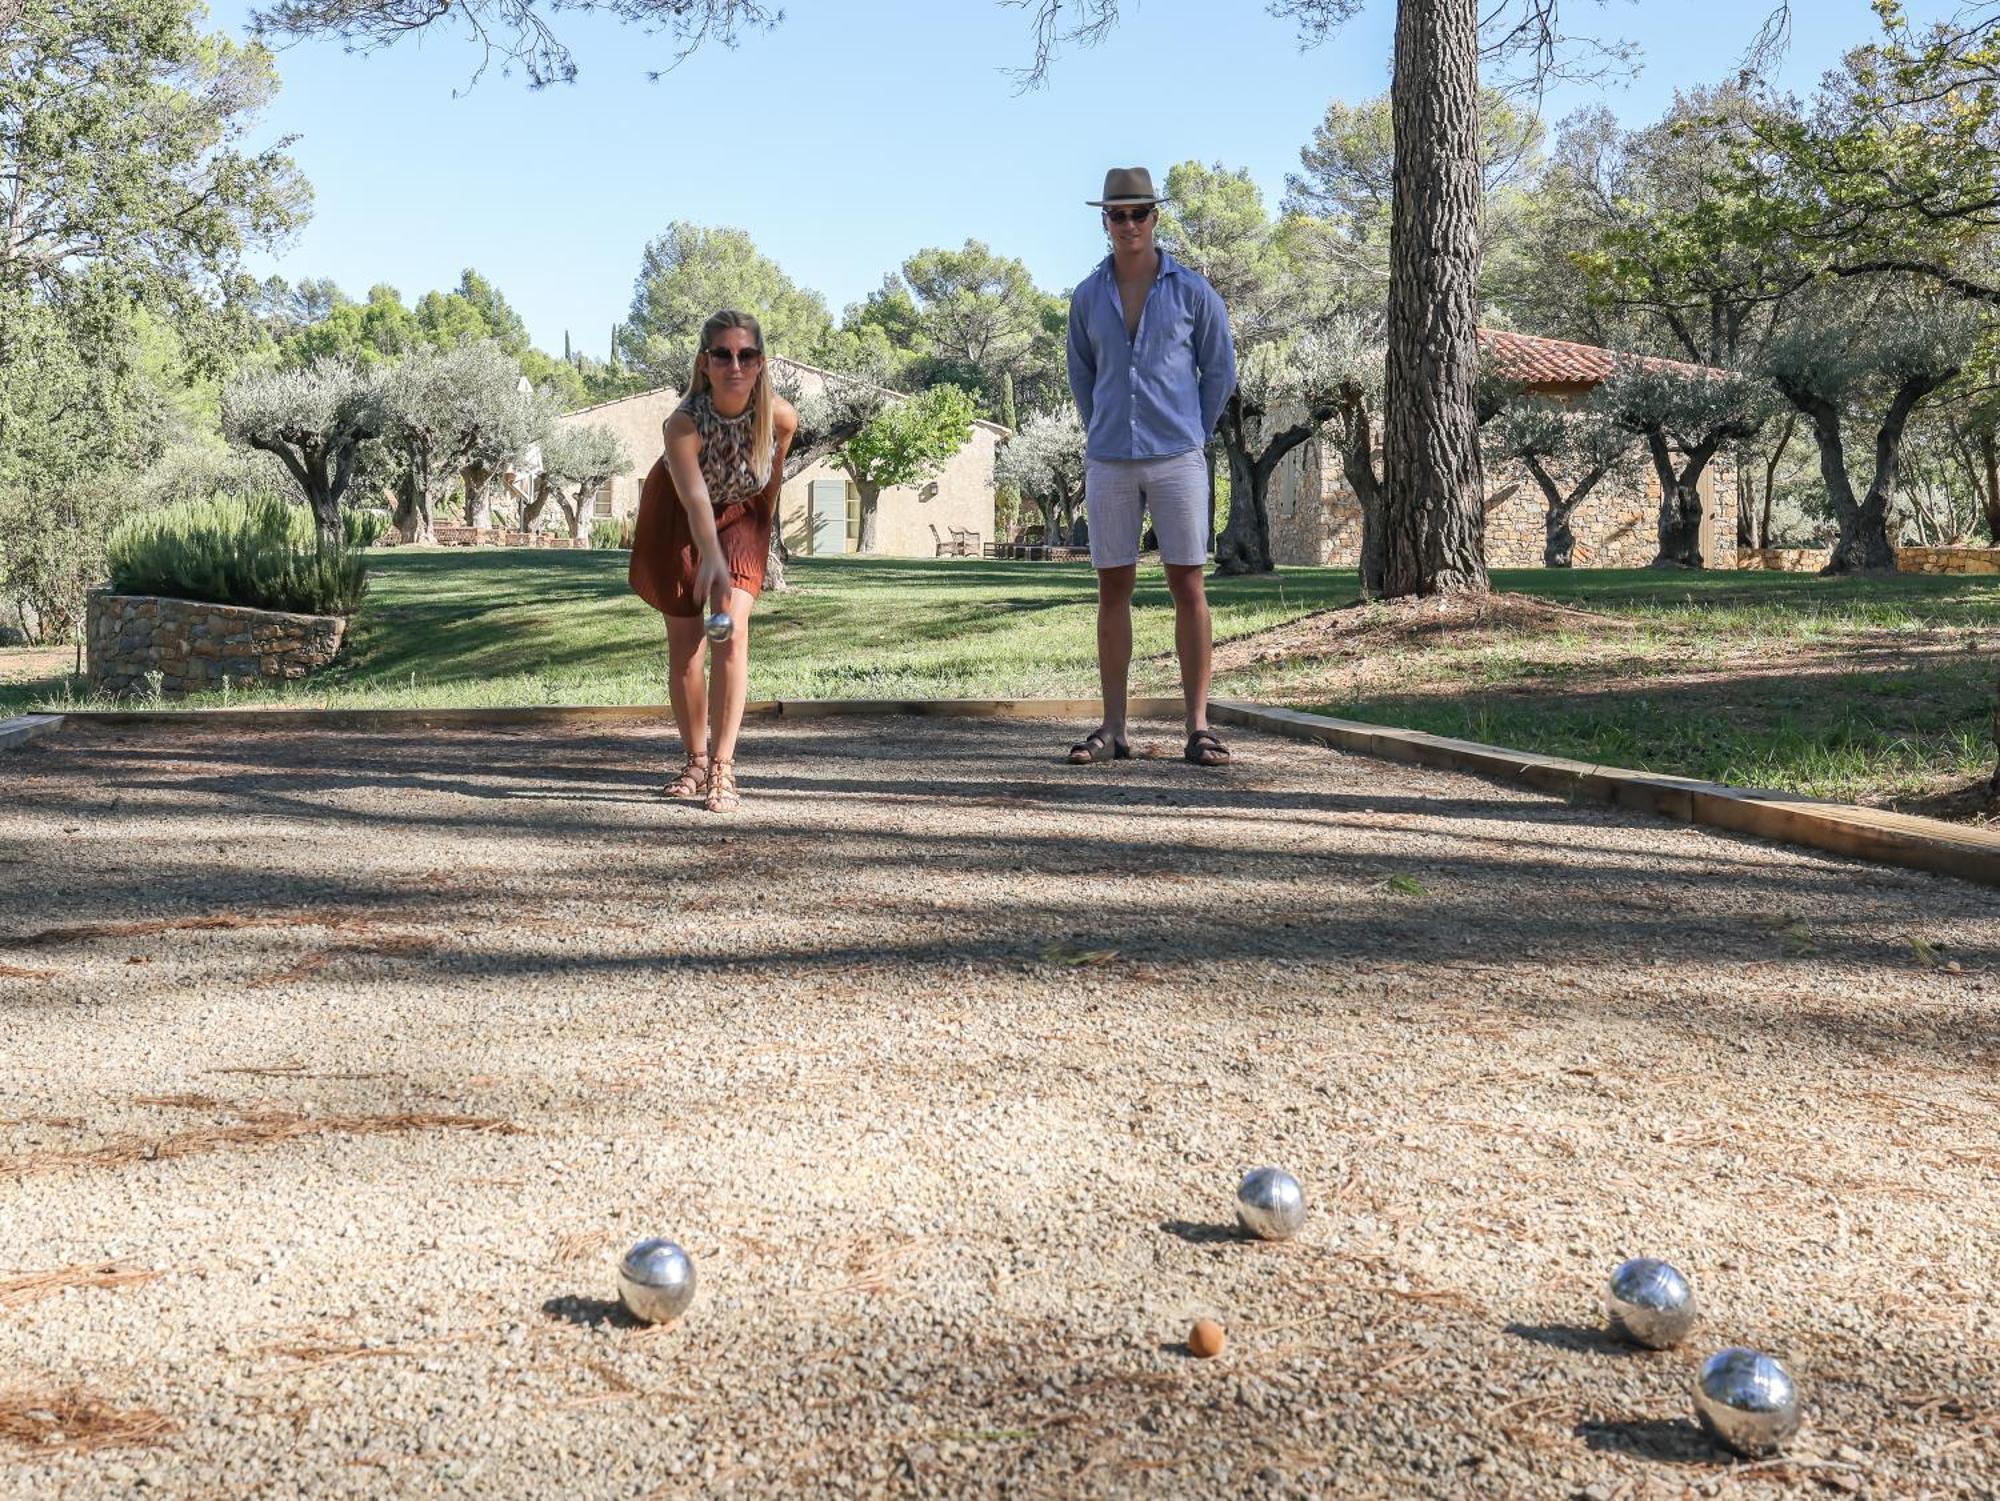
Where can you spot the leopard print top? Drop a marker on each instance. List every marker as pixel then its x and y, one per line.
pixel 725 451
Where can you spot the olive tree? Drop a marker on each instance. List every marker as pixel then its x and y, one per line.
pixel 1285 393
pixel 1684 416
pixel 1568 452
pixel 1832 371
pixel 577 458
pixel 313 420
pixel 443 407
pixel 519 428
pixel 1044 461
pixel 905 444
pixel 830 412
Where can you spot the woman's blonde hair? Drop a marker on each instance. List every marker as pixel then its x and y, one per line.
pixel 760 400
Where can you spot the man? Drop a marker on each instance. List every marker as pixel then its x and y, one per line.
pixel 1150 366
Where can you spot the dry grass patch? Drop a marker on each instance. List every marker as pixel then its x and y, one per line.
pixel 73 1419
pixel 22 1287
pixel 258 1127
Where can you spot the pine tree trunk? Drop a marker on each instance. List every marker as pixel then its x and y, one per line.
pixel 1434 519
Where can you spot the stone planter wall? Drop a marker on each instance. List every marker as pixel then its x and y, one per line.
pixel 493 536
pixel 1908 559
pixel 197 647
pixel 1948 559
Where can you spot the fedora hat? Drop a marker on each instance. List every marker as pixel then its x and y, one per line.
pixel 1126 185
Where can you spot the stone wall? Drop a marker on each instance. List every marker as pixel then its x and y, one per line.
pixel 1908 559
pixel 1948 559
pixel 494 536
pixel 1783 559
pixel 1617 527
pixel 196 647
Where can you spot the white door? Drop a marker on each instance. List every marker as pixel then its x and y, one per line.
pixel 829 517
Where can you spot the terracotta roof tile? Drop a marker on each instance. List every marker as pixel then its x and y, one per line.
pixel 1535 361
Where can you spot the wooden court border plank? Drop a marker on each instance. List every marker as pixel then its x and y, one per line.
pixel 1785 817
pixel 25 727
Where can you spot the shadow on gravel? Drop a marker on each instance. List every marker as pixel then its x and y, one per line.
pixel 1662 1440
pixel 1575 1337
pixel 1196 1233
pixel 591 1313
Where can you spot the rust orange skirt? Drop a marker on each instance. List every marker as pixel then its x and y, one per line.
pixel 664 555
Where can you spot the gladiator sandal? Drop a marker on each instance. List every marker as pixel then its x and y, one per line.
pixel 692 782
pixel 722 794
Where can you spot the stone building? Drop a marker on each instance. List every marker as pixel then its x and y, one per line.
pixel 1315 517
pixel 819 511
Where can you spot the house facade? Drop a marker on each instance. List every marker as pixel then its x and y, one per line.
pixel 819 510
pixel 1315 517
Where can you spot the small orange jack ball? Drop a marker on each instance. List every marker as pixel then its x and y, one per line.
pixel 1205 1339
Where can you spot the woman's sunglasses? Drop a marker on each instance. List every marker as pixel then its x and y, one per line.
pixel 1129 215
pixel 741 358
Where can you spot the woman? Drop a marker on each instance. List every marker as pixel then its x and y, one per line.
pixel 703 534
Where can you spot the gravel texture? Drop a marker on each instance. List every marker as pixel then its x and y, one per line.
pixel 337 1069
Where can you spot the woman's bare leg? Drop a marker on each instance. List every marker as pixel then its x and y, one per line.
pixel 687 688
pixel 729 675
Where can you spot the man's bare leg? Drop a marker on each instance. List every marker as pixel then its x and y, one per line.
pixel 1193 640
pixel 1114 654
pixel 1114 643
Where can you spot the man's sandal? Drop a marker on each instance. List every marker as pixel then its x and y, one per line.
pixel 1097 746
pixel 692 782
pixel 1205 748
pixel 722 794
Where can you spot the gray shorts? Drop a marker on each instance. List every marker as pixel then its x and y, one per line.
pixel 1118 493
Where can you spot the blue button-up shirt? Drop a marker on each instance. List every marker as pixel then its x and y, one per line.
pixel 1162 392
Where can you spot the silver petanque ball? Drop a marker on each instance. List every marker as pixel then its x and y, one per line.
pixel 1649 1303
pixel 656 1281
pixel 1270 1204
pixel 1746 1399
pixel 720 627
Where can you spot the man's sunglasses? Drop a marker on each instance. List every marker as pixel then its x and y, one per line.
pixel 742 358
pixel 1130 215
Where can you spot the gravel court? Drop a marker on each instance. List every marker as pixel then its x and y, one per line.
pixel 342 1066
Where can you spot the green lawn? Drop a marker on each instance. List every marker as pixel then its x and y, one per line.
pixel 1874 690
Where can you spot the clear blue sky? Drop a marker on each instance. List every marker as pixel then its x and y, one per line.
pixel 856 133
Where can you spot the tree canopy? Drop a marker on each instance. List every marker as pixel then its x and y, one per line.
pixel 690 272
